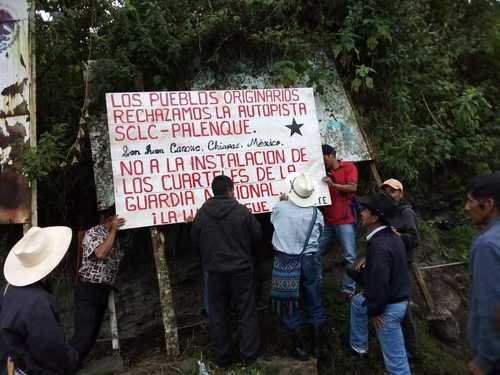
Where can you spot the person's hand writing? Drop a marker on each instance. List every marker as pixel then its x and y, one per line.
pixel 283 197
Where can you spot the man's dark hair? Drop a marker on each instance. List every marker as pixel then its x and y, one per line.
pixel 222 185
pixel 486 186
pixel 328 150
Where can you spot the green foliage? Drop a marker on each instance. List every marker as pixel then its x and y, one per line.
pixel 48 155
pixel 457 242
pixel 424 75
pixel 432 112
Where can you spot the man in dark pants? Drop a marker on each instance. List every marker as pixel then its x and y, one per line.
pixel 100 262
pixel 404 221
pixel 225 232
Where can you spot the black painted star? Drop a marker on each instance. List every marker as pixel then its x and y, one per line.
pixel 294 128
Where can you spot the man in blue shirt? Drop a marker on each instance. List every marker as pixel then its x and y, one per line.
pixel 297 229
pixel 483 205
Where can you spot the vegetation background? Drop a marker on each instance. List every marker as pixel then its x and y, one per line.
pixel 423 76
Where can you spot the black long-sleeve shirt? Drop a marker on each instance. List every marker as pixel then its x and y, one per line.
pixel 386 277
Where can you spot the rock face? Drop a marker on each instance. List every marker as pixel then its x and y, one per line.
pixel 448 290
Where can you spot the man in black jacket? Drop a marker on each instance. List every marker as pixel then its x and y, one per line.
pixel 225 233
pixel 404 221
pixel 385 297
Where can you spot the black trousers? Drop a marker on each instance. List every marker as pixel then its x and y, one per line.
pixel 237 290
pixel 91 301
pixel 408 327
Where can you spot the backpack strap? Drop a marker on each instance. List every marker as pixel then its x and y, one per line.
pixel 311 226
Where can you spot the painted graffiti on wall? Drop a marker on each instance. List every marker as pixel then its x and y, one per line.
pixel 14 110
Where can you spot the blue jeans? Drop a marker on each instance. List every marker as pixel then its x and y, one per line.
pixel 310 288
pixel 390 336
pixel 346 235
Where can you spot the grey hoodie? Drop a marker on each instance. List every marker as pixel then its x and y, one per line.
pixel 405 221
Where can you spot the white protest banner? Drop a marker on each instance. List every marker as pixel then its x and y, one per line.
pixel 166 148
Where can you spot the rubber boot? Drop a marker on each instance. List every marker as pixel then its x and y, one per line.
pixel 299 350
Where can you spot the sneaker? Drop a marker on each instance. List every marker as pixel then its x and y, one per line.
pixel 356 354
pixel 351 351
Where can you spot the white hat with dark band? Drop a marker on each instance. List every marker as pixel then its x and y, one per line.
pixel 36 255
pixel 301 190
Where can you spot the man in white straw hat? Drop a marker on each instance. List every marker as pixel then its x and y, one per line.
pixel 30 331
pixel 298 225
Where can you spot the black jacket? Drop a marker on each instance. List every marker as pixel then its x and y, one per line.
pixel 31 333
pixel 386 273
pixel 225 232
pixel 405 221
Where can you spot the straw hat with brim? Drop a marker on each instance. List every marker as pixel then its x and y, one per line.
pixel 301 190
pixel 381 204
pixel 36 254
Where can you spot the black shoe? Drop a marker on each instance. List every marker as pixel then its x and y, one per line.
pixel 351 351
pixel 356 354
pixel 249 362
pixel 316 341
pixel 299 349
pixel 223 365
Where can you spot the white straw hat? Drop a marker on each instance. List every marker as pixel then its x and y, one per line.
pixel 300 189
pixel 36 254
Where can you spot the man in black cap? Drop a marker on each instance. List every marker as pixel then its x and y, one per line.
pixel 385 297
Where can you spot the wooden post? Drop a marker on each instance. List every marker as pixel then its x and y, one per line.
pixel 166 300
pixel 423 287
pixel 375 174
pixel 32 112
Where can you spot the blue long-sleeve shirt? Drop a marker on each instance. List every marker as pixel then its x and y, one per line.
pixel 484 298
pixel 291 225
